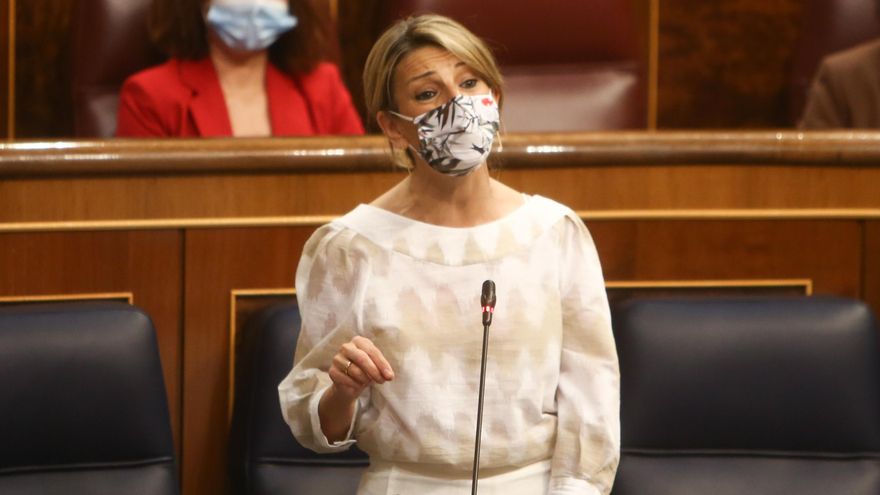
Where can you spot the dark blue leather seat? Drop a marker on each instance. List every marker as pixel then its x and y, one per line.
pixel 762 396
pixel 265 457
pixel 83 409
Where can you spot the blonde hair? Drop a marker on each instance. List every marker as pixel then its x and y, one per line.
pixel 416 32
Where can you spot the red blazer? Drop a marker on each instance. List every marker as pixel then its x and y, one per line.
pixel 183 98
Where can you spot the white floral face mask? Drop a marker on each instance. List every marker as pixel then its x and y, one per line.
pixel 456 137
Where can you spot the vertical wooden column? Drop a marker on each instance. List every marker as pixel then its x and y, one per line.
pixel 358 25
pixel 218 262
pixel 7 62
pixel 724 64
pixel 653 60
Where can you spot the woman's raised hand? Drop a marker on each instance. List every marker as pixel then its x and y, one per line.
pixel 357 365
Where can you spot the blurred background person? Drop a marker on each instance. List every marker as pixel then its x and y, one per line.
pixel 846 90
pixel 238 68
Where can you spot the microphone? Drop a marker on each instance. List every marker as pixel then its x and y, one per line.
pixel 487 301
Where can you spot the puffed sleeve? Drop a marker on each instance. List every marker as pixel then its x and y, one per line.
pixel 825 107
pixel 330 284
pixel 588 396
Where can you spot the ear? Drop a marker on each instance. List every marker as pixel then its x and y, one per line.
pixel 390 126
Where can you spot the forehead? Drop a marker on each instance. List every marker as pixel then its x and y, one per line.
pixel 425 59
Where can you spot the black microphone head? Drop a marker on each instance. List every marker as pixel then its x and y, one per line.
pixel 488 296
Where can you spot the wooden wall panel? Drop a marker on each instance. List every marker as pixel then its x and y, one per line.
pixel 827 252
pixel 723 64
pixel 359 26
pixel 218 262
pixel 592 188
pixel 147 264
pixel 5 65
pixel 698 187
pixel 42 73
pixel 108 198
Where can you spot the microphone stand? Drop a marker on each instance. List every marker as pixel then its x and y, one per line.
pixel 488 302
pixel 480 410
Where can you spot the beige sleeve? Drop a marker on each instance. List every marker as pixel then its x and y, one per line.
pixel 588 396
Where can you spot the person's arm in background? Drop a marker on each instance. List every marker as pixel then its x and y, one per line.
pixel 825 109
pixel 588 395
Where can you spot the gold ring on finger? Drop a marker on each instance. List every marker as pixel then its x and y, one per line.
pixel 347 368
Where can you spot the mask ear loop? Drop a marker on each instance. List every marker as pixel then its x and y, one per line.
pixel 409 150
pixel 496 159
pixel 498 145
pixel 402 158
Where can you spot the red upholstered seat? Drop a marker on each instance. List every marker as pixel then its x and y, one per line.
pixel 110 42
pixel 568 65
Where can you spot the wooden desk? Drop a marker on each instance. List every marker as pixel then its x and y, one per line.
pixel 199 231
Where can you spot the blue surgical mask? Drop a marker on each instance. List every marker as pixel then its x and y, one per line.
pixel 250 25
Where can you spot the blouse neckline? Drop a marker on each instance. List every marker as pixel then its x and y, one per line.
pixel 403 220
pixel 455 245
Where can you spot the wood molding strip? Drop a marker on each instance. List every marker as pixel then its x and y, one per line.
pixel 805 283
pixel 653 62
pixel 318 220
pixel 106 296
pixel 735 214
pixel 10 75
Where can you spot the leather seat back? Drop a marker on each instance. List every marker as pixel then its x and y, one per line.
pixel 82 402
pixel 265 457
pixel 110 43
pixel 761 396
pixel 568 66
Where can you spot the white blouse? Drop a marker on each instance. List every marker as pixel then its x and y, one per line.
pixel 552 380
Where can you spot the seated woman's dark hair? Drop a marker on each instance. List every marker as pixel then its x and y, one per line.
pixel 178 28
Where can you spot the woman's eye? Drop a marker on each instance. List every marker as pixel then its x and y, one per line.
pixel 470 83
pixel 425 95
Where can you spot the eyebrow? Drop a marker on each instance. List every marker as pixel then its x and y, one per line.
pixel 431 72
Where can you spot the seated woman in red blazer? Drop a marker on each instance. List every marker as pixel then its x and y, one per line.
pixel 238 68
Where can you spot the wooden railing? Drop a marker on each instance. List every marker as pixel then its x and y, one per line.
pixel 370 153
pixel 597 173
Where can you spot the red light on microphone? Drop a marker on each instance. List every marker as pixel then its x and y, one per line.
pixel 487 301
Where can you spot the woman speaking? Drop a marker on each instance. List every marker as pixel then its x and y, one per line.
pixel 390 347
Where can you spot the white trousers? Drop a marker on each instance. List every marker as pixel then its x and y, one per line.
pixel 407 479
